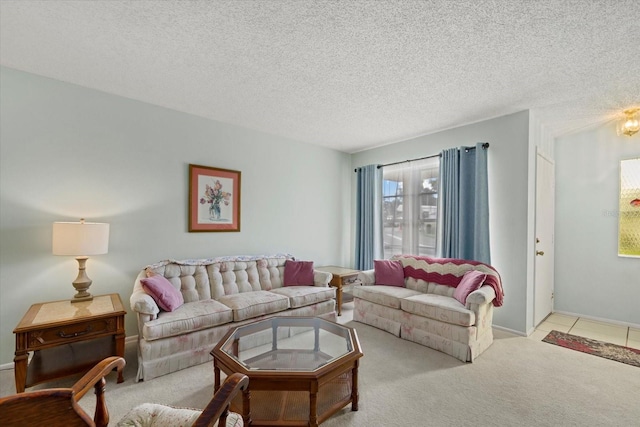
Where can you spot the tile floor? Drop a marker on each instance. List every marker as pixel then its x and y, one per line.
pixel 597 330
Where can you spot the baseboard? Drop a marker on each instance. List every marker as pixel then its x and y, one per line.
pixel 599 319
pixel 512 331
pixel 127 340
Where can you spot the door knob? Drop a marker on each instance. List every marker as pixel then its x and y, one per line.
pixel 539 252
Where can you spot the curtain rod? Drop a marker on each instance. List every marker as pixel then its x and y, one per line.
pixel 485 145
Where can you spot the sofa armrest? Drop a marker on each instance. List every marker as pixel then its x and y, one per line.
pixel 367 277
pixel 484 295
pixel 140 301
pixel 321 278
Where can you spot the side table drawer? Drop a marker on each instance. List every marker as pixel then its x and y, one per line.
pixel 69 333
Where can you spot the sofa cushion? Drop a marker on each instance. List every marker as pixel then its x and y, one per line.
pixel 191 316
pixel 299 296
pixel 411 323
pixel 162 291
pixel 388 272
pixel 471 281
pixel 247 305
pixel 389 296
pixel 298 273
pixel 439 307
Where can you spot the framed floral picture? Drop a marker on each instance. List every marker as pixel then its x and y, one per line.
pixel 214 199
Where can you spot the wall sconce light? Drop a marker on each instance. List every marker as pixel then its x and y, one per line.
pixel 80 239
pixel 629 125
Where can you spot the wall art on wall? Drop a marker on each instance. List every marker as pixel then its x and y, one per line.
pixel 214 199
pixel 629 216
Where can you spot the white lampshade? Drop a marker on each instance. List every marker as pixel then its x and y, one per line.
pixel 80 238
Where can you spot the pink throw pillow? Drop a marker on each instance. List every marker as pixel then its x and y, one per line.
pixel 389 272
pixel 298 273
pixel 162 291
pixel 471 281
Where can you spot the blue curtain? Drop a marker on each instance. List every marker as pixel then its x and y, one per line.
pixel 465 203
pixel 368 216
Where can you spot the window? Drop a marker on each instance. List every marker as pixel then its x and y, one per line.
pixel 410 207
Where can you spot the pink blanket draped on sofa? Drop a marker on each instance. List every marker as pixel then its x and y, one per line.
pixel 449 271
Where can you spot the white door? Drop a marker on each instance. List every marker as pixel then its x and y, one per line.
pixel 545 194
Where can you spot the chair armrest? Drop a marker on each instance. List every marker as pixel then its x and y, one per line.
pixel 140 301
pixel 97 373
pixel 367 277
pixel 59 406
pixel 321 278
pixel 484 295
pixel 95 379
pixel 218 406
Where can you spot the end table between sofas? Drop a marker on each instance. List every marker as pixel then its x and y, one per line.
pixel 67 338
pixel 341 276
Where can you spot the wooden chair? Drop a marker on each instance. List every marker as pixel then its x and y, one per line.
pixel 59 406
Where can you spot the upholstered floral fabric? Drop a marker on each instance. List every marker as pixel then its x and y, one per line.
pixel 379 316
pixel 189 317
pixel 299 296
pixel 219 293
pixel 248 305
pixel 439 307
pixel 166 355
pixel 163 356
pixel 427 313
pixel 389 296
pixel 156 415
pixel 449 331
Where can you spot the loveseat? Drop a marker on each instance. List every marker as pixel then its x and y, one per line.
pixel 422 304
pixel 216 295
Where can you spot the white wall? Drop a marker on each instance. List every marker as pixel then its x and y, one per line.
pixel 508 163
pixel 68 152
pixel 590 279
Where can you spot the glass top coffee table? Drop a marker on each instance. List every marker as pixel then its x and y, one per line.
pixel 301 370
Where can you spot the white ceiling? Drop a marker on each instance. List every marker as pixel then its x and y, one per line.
pixel 348 75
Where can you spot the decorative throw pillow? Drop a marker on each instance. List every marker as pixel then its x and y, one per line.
pixel 298 273
pixel 471 281
pixel 162 291
pixel 389 272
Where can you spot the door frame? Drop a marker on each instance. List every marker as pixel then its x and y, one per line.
pixel 548 247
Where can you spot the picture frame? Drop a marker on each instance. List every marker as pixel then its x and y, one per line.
pixel 214 199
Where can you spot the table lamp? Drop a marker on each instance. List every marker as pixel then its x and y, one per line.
pixel 81 239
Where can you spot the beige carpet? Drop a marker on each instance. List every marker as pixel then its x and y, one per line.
pixel 516 382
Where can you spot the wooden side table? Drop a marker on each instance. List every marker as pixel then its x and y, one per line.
pixel 340 277
pixel 67 338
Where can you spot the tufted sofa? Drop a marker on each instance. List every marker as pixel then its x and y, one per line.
pixel 424 309
pixel 218 294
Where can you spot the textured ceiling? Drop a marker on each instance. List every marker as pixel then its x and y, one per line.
pixel 349 75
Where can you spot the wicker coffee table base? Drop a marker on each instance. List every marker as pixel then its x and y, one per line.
pixel 292 408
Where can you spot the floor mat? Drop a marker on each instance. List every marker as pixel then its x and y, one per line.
pixel 628 355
